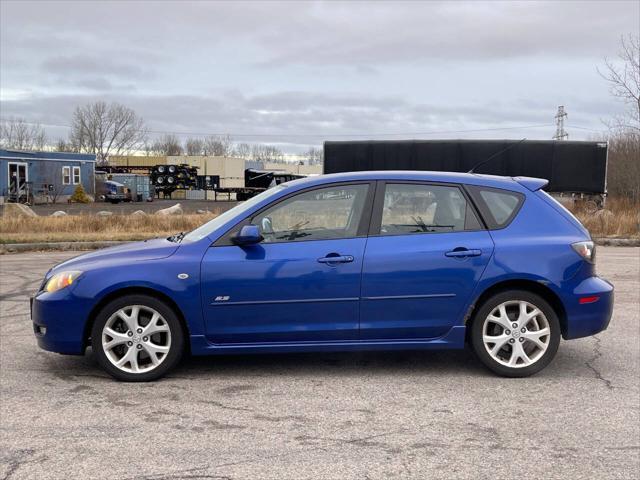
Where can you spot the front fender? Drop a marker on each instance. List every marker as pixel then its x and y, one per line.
pixel 157 275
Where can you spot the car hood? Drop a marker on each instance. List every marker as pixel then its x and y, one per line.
pixel 129 252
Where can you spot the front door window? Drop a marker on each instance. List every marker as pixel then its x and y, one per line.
pixel 321 214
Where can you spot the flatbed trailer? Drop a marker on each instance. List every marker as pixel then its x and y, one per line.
pixel 241 193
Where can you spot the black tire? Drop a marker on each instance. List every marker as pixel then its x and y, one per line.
pixel 176 347
pixel 480 318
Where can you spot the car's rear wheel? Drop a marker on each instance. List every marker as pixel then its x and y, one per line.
pixel 137 338
pixel 515 333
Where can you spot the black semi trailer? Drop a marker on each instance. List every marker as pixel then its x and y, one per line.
pixel 571 167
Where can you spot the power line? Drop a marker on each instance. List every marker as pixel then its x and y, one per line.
pixel 346 135
pixel 585 128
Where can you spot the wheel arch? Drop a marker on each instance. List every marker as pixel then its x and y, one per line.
pixel 532 286
pixel 133 290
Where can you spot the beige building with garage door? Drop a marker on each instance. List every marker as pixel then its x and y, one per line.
pixel 229 169
pixel 294 168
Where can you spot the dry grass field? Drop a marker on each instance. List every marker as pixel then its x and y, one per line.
pixel 620 219
pixel 92 227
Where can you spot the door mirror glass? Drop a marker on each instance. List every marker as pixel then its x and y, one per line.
pixel 248 235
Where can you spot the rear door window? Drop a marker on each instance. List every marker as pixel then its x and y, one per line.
pixel 420 208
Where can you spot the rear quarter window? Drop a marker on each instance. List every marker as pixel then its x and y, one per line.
pixel 498 207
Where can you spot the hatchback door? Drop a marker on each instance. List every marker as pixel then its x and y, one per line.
pixel 302 282
pixel 426 253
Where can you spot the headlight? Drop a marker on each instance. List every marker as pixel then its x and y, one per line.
pixel 61 280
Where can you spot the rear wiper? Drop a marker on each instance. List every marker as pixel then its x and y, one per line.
pixel 177 238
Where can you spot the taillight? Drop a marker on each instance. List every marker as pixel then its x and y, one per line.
pixel 587 250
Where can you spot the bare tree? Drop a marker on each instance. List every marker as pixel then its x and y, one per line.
pixel 623 76
pixel 63 146
pixel 194 146
pixel 243 150
pixel 147 148
pixel 218 146
pixel 16 133
pixel 266 153
pixel 106 130
pixel 168 144
pixel 314 156
pixel 624 81
pixel 623 170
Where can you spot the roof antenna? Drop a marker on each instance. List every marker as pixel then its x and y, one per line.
pixel 495 155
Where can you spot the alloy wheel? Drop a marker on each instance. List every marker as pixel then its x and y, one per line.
pixel 136 339
pixel 516 334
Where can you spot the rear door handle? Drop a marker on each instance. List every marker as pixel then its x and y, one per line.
pixel 336 259
pixel 463 252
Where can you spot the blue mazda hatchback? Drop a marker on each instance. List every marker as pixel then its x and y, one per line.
pixel 357 261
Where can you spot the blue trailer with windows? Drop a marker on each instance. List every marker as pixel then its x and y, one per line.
pixel 44 177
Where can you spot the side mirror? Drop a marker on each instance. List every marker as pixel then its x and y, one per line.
pixel 248 235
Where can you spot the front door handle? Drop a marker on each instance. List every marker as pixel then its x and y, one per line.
pixel 329 259
pixel 463 252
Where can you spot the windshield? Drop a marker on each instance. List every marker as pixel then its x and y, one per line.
pixel 211 226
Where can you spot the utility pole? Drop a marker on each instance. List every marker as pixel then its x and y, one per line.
pixel 560 116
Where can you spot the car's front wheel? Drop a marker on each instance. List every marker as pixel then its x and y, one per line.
pixel 137 338
pixel 515 333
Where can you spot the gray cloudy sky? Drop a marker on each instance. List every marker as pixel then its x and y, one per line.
pixel 289 70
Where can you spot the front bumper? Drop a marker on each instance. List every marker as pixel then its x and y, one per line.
pixel 59 322
pixel 585 319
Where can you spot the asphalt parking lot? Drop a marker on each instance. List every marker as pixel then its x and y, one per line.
pixel 364 415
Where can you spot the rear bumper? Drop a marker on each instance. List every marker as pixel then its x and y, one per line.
pixel 585 319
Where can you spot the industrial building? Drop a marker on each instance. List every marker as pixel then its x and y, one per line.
pixel 293 168
pixel 228 170
pixel 225 172
pixel 44 177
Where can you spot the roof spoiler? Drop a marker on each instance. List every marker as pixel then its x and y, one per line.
pixel 531 183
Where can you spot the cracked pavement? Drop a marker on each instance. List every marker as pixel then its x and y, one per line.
pixel 330 415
